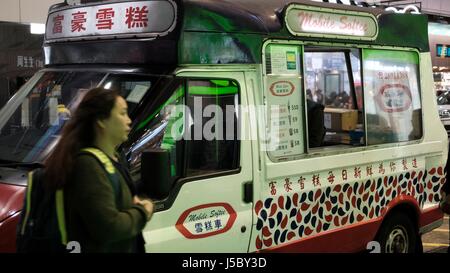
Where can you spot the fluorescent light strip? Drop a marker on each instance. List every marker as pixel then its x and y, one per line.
pixel 37 28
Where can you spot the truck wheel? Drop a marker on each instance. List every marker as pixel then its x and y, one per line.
pixel 398 235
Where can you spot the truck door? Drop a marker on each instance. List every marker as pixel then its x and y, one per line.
pixel 207 209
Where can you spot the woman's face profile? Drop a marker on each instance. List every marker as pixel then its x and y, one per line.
pixel 117 126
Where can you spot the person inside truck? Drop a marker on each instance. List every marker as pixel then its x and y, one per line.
pixel 346 100
pixel 330 99
pixel 309 94
pixel 318 96
pixel 102 212
pixel 316 128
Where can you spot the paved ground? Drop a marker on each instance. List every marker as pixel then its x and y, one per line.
pixel 437 241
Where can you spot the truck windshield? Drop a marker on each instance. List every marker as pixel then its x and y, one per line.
pixel 33 128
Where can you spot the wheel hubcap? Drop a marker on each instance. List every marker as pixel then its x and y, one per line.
pixel 397 241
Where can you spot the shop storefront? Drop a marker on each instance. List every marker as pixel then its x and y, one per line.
pixel 20 57
pixel 439 35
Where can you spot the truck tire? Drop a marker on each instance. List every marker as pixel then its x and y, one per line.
pixel 398 235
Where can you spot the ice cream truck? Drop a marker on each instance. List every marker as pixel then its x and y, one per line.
pixel 258 125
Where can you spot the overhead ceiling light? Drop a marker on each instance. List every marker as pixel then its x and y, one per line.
pixel 73 2
pixel 37 28
pixel 438 29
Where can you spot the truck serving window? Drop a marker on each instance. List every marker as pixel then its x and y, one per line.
pixel 333 97
pixel 392 96
pixel 351 97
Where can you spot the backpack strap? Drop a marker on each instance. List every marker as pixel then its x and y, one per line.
pixel 59 198
pixel 108 167
pixel 28 202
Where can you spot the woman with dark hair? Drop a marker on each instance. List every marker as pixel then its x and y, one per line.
pixel 101 214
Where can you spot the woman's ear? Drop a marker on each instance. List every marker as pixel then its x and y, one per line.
pixel 100 124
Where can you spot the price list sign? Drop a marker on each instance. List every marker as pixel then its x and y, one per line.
pixel 285 115
pixel 284 97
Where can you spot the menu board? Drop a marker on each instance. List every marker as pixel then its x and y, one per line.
pixel 285 115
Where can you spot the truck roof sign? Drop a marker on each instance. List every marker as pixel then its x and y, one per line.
pixel 311 21
pixel 112 20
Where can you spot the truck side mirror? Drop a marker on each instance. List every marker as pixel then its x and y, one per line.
pixel 156 172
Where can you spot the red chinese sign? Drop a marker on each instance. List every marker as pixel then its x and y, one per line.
pixel 137 17
pixel 357 172
pixel 105 18
pixel 331 177
pixel 147 18
pixel 273 188
pixel 57 23
pixel 414 163
pixel 287 185
pixel 405 163
pixel 78 21
pixel 316 180
pixel 301 182
pixel 344 175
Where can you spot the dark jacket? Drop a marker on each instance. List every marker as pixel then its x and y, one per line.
pixel 316 128
pixel 92 217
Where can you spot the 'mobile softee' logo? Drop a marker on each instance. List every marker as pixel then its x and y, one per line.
pixel 206 220
pixel 282 88
pixel 320 22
